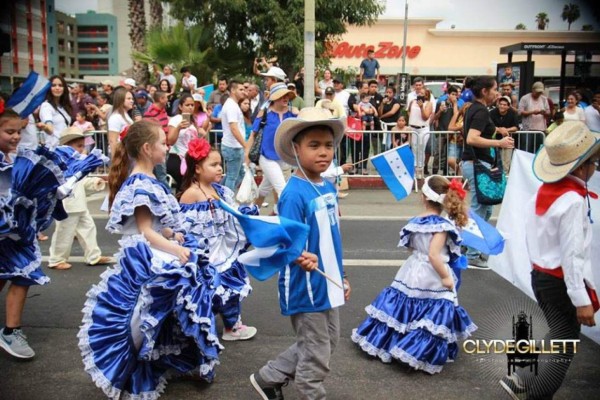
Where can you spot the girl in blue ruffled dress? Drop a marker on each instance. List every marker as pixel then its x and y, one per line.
pixel 150 316
pixel 417 320
pixel 28 184
pixel 219 231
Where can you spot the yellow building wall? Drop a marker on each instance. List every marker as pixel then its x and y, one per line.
pixel 453 52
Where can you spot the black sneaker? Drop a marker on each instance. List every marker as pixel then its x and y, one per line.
pixel 512 385
pixel 266 392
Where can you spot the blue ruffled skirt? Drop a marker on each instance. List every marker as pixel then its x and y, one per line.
pixel 421 332
pixel 147 319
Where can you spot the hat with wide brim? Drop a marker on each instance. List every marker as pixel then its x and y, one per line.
pixel 71 133
pixel 308 116
pixel 275 72
pixel 565 148
pixel 278 90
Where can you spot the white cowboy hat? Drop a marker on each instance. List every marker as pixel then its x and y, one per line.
pixel 565 149
pixel 309 116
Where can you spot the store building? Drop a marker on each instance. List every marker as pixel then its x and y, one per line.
pixel 438 54
pixel 97 42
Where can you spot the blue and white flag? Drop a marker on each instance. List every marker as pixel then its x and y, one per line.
pixel 30 95
pixel 397 169
pixel 277 242
pixel 482 236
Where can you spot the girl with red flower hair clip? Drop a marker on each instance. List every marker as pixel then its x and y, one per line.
pixel 417 319
pixel 219 231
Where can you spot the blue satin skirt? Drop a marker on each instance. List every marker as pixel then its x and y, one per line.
pixel 421 332
pixel 149 319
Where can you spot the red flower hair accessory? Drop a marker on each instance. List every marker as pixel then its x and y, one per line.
pixel 1 106
pixel 457 186
pixel 198 149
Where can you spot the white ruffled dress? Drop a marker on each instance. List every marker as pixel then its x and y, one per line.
pixel 417 320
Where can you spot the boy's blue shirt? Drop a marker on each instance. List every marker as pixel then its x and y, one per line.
pixel 301 291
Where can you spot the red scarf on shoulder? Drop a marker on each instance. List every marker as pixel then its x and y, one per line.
pixel 549 192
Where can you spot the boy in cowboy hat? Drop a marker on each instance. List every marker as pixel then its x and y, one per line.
pixel 79 223
pixel 307 297
pixel 559 234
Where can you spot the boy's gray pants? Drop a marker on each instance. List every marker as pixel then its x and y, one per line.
pixel 306 362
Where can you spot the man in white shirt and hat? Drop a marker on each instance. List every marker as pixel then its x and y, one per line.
pixel 558 236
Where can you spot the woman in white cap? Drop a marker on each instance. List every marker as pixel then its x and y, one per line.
pixel 558 234
pixel 270 163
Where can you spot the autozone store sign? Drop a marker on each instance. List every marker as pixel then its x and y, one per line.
pixel 382 50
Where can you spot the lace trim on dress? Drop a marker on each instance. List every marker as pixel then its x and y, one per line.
pixel 140 190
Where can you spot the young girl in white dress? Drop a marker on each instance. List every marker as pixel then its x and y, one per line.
pixel 417 320
pixel 219 231
pixel 150 317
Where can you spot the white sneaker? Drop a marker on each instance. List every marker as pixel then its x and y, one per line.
pixel 16 344
pixel 239 332
pixel 265 204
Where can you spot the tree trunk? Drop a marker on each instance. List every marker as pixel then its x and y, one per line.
pixel 137 34
pixel 156 14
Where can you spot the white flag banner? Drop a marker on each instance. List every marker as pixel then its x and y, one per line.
pixel 513 263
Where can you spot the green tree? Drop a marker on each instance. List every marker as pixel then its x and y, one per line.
pixel 275 28
pixel 521 27
pixel 179 46
pixel 137 32
pixel 542 21
pixel 587 27
pixel 570 13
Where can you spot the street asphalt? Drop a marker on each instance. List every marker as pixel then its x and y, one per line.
pixel 371 221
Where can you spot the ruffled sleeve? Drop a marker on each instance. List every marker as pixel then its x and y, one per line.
pixel 143 191
pixel 6 216
pixel 433 224
pixel 206 219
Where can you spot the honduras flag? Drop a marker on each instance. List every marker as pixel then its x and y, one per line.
pixel 277 242
pixel 30 95
pixel 397 169
pixel 482 236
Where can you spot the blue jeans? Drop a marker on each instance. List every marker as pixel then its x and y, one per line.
pixel 233 158
pixel 483 211
pixel 160 171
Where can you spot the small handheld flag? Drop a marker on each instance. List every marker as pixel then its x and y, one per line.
pixel 397 169
pixel 30 95
pixel 277 242
pixel 482 236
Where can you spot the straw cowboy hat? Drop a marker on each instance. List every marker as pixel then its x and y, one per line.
pixel 278 90
pixel 309 116
pixel 565 149
pixel 71 133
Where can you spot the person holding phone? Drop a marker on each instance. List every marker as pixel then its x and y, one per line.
pixel 182 130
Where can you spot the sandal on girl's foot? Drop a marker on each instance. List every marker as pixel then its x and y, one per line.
pixel 103 260
pixel 61 266
pixel 41 237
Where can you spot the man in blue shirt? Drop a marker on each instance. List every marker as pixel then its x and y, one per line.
pixel 369 67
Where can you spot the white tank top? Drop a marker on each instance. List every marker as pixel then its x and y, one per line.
pixel 415 118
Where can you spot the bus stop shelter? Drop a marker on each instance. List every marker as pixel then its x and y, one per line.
pixel 582 53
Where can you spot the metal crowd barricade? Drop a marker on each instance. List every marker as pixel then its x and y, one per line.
pixel 101 142
pixel 445 153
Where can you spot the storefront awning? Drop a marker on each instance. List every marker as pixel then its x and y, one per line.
pixel 551 48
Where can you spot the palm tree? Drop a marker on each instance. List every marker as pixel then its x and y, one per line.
pixel 570 13
pixel 521 27
pixel 156 14
pixel 542 20
pixel 137 33
pixel 179 46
